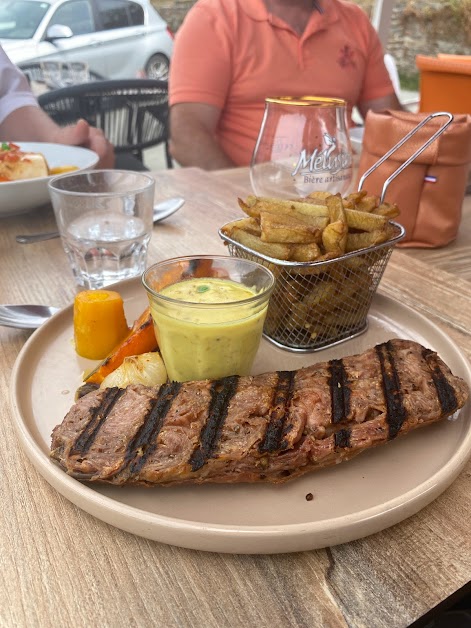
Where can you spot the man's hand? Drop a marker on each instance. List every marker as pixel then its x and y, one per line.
pixel 82 134
pixel 32 124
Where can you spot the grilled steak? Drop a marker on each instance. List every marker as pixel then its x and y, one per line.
pixel 269 427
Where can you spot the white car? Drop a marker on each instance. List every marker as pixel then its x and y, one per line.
pixel 117 38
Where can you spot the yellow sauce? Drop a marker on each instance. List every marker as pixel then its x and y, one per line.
pixel 210 341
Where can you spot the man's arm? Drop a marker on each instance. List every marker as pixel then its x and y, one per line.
pixel 193 136
pixel 32 124
pixel 380 104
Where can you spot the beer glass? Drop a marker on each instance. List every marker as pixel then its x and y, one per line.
pixel 303 146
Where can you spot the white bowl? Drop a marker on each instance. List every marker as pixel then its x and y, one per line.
pixel 19 197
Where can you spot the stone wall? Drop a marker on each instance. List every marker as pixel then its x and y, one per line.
pixel 173 11
pixel 426 28
pixel 418 27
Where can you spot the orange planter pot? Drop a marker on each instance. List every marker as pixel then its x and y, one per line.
pixel 445 83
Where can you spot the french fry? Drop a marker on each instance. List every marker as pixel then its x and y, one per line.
pixel 254 205
pixel 322 292
pixel 334 238
pixel 357 241
pixel 367 204
pixel 305 252
pixel 354 263
pixel 335 207
pixel 345 318
pixel 365 221
pixel 319 196
pixel 318 222
pixel 277 251
pixel 352 199
pixel 276 228
pixel 251 225
pixel 388 210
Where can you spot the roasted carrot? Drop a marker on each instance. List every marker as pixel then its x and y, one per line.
pixel 141 339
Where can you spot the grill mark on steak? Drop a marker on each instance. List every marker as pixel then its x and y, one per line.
pixel 222 391
pixel 97 417
pixel 145 440
pixel 446 394
pixel 342 439
pixel 282 396
pixel 396 413
pixel 339 391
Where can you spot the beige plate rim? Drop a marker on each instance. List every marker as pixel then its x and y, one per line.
pixel 254 539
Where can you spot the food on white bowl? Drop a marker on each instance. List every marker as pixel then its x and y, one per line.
pixel 16 164
pixel 24 194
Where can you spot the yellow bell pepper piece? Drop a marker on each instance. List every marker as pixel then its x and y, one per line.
pixel 99 323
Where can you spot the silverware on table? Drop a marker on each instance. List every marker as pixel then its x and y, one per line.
pixel 25 316
pixel 162 210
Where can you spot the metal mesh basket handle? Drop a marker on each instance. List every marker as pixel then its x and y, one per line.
pixel 412 157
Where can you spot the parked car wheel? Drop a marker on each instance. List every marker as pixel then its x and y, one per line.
pixel 157 67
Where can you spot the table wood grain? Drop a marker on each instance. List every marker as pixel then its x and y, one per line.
pixel 62 567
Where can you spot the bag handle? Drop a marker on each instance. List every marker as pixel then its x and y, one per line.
pixel 412 157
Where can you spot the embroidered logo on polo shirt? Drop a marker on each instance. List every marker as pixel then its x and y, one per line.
pixel 346 57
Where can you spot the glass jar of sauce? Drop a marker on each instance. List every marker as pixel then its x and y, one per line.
pixel 208 314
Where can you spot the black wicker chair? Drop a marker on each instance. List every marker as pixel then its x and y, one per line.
pixel 133 113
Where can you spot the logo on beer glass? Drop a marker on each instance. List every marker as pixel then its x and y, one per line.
pixel 326 165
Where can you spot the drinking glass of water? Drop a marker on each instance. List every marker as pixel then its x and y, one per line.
pixel 76 73
pixel 52 73
pixel 105 219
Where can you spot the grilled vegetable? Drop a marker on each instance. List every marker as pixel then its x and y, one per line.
pixel 99 323
pixel 141 339
pixel 147 369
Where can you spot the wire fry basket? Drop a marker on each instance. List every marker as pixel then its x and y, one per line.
pixel 315 305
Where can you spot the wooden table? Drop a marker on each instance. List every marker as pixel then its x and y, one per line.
pixel 61 566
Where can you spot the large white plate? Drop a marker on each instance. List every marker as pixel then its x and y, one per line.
pixel 375 490
pixel 19 197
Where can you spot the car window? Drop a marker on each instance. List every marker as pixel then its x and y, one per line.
pixel 120 13
pixel 77 15
pixel 136 13
pixel 19 19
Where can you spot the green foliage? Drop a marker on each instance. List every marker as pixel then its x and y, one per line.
pixel 409 82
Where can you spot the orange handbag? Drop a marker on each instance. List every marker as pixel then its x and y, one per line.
pixel 429 191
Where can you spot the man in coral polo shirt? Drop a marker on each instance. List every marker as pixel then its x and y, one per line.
pixel 231 54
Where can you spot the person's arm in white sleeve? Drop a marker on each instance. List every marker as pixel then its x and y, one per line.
pixel 21 118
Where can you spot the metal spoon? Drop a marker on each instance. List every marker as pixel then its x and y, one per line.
pixel 161 211
pixel 26 316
